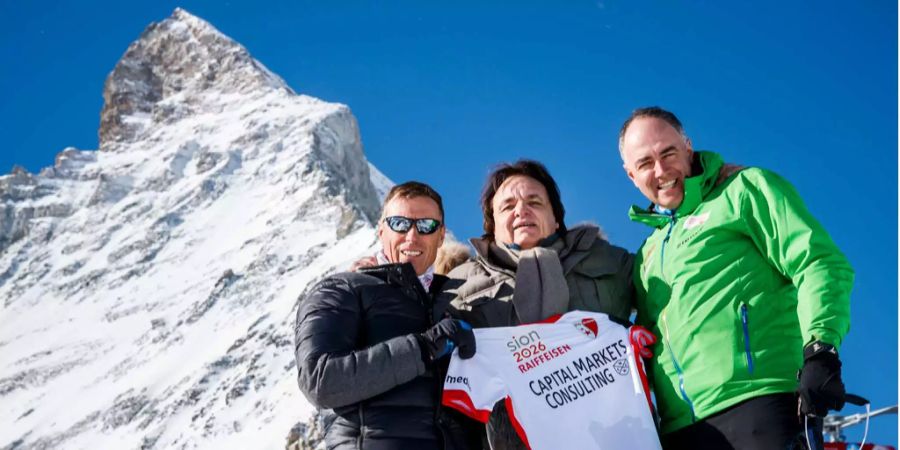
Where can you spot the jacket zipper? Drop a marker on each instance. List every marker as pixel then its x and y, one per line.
pixel 662 262
pixel 680 372
pixel 428 301
pixel 362 428
pixel 746 327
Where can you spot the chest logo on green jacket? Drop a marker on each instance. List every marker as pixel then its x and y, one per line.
pixel 695 221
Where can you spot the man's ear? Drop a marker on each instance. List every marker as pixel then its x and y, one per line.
pixel 628 172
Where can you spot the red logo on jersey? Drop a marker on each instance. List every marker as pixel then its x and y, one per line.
pixel 588 326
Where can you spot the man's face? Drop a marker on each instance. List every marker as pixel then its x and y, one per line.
pixel 418 249
pixel 657 159
pixel 522 212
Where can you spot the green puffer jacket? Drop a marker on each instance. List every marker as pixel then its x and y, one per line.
pixel 734 286
pixel 598 276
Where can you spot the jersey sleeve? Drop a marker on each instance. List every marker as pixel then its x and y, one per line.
pixel 473 385
pixel 641 341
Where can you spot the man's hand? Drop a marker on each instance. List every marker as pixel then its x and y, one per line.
pixel 439 340
pixel 368 261
pixel 821 387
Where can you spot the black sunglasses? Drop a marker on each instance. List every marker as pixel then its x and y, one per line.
pixel 402 224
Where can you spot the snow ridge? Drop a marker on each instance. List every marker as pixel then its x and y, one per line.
pixel 148 289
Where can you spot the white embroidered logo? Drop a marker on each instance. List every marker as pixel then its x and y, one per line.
pixel 695 221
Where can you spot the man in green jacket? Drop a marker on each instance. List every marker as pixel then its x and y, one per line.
pixel 742 286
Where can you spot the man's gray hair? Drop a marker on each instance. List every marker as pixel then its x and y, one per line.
pixel 650 111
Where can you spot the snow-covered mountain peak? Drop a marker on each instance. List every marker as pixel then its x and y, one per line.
pixel 177 67
pixel 148 290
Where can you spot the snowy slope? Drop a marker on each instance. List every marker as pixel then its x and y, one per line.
pixel 149 288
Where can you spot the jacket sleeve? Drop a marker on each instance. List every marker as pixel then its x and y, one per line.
pixel 465 281
pixel 332 371
pixel 626 290
pixel 797 245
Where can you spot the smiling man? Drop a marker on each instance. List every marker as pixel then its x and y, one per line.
pixel 742 285
pixel 523 215
pixel 368 343
pixel 411 232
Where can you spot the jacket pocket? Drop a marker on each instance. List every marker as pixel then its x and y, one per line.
pixel 745 327
pixel 598 287
pixel 596 267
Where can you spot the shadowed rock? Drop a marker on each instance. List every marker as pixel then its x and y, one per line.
pixel 180 56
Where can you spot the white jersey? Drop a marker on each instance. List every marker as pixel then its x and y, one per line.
pixel 573 381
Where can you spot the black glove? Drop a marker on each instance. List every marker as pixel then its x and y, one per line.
pixel 440 340
pixel 821 387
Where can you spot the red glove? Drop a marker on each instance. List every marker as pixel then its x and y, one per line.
pixel 642 339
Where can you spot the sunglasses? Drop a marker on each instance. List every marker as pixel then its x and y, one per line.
pixel 402 224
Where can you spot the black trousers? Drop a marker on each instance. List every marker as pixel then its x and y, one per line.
pixel 768 422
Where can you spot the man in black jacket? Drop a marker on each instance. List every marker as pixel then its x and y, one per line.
pixel 368 343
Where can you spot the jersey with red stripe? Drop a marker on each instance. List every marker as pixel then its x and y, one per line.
pixel 573 381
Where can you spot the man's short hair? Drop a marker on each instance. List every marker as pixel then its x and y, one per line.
pixel 651 111
pixel 412 189
pixel 524 167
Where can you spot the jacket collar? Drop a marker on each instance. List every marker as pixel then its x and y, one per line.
pixel 704 173
pixel 394 274
pixel 578 238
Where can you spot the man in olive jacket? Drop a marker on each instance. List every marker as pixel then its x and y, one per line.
pixel 596 273
pixel 529 266
pixel 742 286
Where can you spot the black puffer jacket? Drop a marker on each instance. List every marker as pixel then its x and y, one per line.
pixel 357 354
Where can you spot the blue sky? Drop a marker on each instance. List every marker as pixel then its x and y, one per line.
pixel 443 92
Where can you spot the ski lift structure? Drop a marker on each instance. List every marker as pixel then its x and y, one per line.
pixel 834 424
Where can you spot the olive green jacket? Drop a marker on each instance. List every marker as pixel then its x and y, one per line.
pixel 734 284
pixel 598 276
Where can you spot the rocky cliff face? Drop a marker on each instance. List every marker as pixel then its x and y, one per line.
pixel 165 75
pixel 148 288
